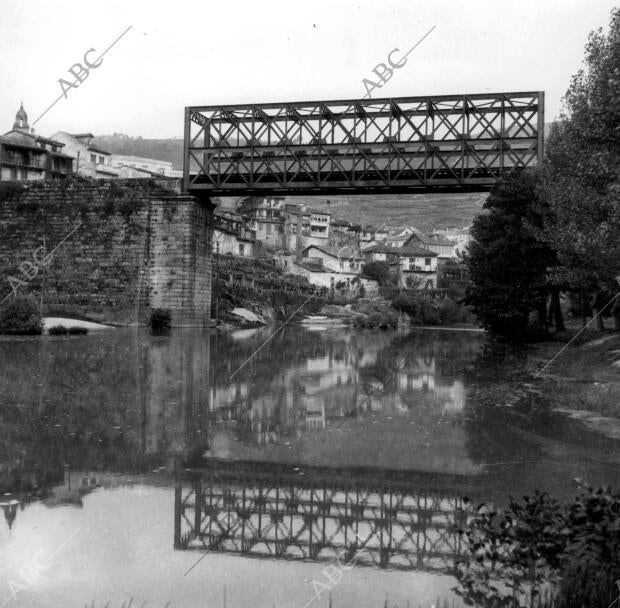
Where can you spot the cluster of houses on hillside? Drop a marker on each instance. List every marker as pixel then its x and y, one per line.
pixel 329 251
pixel 27 156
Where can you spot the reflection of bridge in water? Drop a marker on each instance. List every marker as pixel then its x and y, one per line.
pixel 382 518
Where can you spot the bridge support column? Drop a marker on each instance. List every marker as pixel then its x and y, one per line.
pixel 180 258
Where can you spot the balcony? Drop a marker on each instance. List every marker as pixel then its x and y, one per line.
pixel 21 160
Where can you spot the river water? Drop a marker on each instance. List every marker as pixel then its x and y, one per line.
pixel 330 464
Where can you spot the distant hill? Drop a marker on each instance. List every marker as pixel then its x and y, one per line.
pixel 426 212
pixel 159 149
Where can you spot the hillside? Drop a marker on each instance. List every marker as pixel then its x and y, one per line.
pixel 159 149
pixel 426 212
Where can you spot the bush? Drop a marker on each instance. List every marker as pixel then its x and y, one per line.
pixel 377 320
pixel 424 311
pixel 61 330
pixel 20 315
pixel 161 318
pixel 379 271
pixel 452 312
pixel 540 543
pixel 419 309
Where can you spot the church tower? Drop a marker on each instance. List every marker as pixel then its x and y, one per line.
pixel 21 119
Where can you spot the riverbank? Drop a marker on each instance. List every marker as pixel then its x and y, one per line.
pixel 583 380
pixel 555 380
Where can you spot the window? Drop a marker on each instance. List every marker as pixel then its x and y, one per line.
pixel 241 249
pixel 427 261
pixel 102 160
pixel 93 159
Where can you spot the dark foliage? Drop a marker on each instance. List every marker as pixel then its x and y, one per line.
pixel 20 315
pixel 160 319
pixel 540 546
pixel 61 330
pixel 506 261
pixel 379 271
pixel 423 310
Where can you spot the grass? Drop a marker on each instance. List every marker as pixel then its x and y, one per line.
pixel 585 375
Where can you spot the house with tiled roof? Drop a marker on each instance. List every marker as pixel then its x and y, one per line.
pixel 444 248
pixel 397 238
pixel 415 267
pixel 26 156
pixel 231 234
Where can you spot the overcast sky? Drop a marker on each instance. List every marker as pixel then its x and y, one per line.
pixel 200 53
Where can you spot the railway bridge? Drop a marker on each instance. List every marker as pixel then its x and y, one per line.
pixel 447 143
pixel 378 518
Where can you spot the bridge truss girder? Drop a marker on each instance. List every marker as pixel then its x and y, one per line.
pixel 396 526
pixel 461 142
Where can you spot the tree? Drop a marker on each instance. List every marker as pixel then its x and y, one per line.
pixel 580 175
pixel 379 271
pixel 506 261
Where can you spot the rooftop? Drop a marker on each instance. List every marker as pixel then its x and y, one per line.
pixel 98 150
pixel 345 252
pixel 409 251
pixel 412 251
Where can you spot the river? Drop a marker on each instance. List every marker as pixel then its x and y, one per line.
pixel 334 464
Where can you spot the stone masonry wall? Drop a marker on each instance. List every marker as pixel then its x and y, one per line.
pixel 106 250
pixel 179 267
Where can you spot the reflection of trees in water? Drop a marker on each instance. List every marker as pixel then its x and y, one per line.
pixel 493 431
pixel 441 356
pixel 449 353
pixel 68 401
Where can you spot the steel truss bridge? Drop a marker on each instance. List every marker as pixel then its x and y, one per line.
pixel 385 519
pixel 407 144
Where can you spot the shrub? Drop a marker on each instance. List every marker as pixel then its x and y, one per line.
pixel 419 309
pixel 61 330
pixel 424 311
pixel 161 318
pixel 379 271
pixel 572 548
pixel 377 320
pixel 20 315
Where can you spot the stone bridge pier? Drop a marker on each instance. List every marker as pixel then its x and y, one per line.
pixel 107 250
pixel 179 262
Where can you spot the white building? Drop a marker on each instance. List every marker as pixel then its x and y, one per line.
pixel 230 235
pixel 318 224
pixel 89 160
pixel 343 260
pixel 444 248
pixel 161 167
